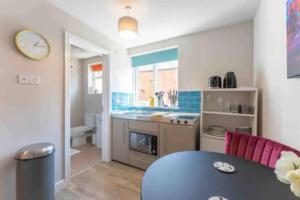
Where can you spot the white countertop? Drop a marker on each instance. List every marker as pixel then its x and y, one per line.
pixel 164 117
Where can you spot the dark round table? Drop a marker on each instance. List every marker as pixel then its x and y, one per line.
pixel 191 176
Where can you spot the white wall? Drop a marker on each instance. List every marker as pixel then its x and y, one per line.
pixel 121 76
pixel 30 114
pixel 212 52
pixel 92 102
pixel 280 97
pixel 76 92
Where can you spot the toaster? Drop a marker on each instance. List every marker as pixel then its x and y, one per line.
pixel 215 82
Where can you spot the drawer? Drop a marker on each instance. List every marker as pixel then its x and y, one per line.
pixel 140 160
pixel 211 144
pixel 147 127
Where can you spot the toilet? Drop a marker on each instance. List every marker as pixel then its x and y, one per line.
pixel 78 136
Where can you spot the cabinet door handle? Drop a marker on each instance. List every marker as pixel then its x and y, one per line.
pixel 164 142
pixel 124 137
pixel 150 145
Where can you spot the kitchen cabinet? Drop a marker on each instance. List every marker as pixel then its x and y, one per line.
pixel 175 138
pixel 212 144
pixel 144 126
pixel 139 159
pixel 120 140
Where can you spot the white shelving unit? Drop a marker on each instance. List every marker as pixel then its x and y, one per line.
pixel 214 111
pixel 228 114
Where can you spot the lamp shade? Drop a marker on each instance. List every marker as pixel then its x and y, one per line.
pixel 128 28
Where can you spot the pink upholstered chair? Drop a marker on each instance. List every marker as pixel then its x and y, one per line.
pixel 254 148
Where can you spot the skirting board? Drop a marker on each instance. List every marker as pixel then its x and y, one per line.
pixel 60 185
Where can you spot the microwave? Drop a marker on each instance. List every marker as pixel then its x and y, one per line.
pixel 142 142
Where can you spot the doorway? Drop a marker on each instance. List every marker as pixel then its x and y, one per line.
pixel 87 95
pixel 86 74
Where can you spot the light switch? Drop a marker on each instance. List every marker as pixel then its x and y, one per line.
pixel 35 80
pixel 23 79
pixel 29 80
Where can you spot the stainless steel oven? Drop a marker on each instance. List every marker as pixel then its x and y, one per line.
pixel 143 142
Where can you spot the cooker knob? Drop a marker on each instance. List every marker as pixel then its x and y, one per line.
pixel 178 121
pixel 185 121
pixel 172 121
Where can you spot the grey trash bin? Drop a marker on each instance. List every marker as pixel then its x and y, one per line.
pixel 35 172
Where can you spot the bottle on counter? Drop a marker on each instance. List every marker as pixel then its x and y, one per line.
pixel 152 102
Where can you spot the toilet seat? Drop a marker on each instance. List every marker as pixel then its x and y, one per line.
pixel 79 131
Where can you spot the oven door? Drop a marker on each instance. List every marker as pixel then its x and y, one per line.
pixel 142 142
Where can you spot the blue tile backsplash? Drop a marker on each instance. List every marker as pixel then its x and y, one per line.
pixel 121 100
pixel 188 101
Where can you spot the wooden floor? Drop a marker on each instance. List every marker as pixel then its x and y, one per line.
pixel 89 156
pixel 104 181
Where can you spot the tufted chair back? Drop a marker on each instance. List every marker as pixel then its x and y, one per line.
pixel 257 149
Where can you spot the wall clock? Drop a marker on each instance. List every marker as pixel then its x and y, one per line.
pixel 32 44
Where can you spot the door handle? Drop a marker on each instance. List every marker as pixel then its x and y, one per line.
pixel 150 145
pixel 124 137
pixel 164 141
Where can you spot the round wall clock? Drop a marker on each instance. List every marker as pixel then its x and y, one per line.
pixel 32 44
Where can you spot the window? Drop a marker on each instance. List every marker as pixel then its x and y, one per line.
pixel 154 78
pixel 155 72
pixel 167 78
pixel 144 83
pixel 95 78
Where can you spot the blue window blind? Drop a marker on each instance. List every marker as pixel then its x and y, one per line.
pixel 156 57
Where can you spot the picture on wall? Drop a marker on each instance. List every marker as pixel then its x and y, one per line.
pixel 293 38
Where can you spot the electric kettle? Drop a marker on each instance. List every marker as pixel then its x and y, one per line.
pixel 230 80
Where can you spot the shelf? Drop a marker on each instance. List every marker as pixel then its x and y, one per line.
pixel 211 116
pixel 228 114
pixel 213 137
pixel 245 89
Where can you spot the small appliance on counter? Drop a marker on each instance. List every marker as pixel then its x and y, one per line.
pixel 230 80
pixel 215 82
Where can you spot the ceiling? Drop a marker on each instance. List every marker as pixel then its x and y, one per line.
pixel 159 19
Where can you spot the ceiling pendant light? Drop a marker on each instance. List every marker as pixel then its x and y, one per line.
pixel 128 26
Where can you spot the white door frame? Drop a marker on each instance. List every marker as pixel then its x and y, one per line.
pixel 71 39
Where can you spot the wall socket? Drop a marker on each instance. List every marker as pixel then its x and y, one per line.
pixel 29 80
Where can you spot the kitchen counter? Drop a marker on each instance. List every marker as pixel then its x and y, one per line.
pixel 161 117
pixel 141 137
